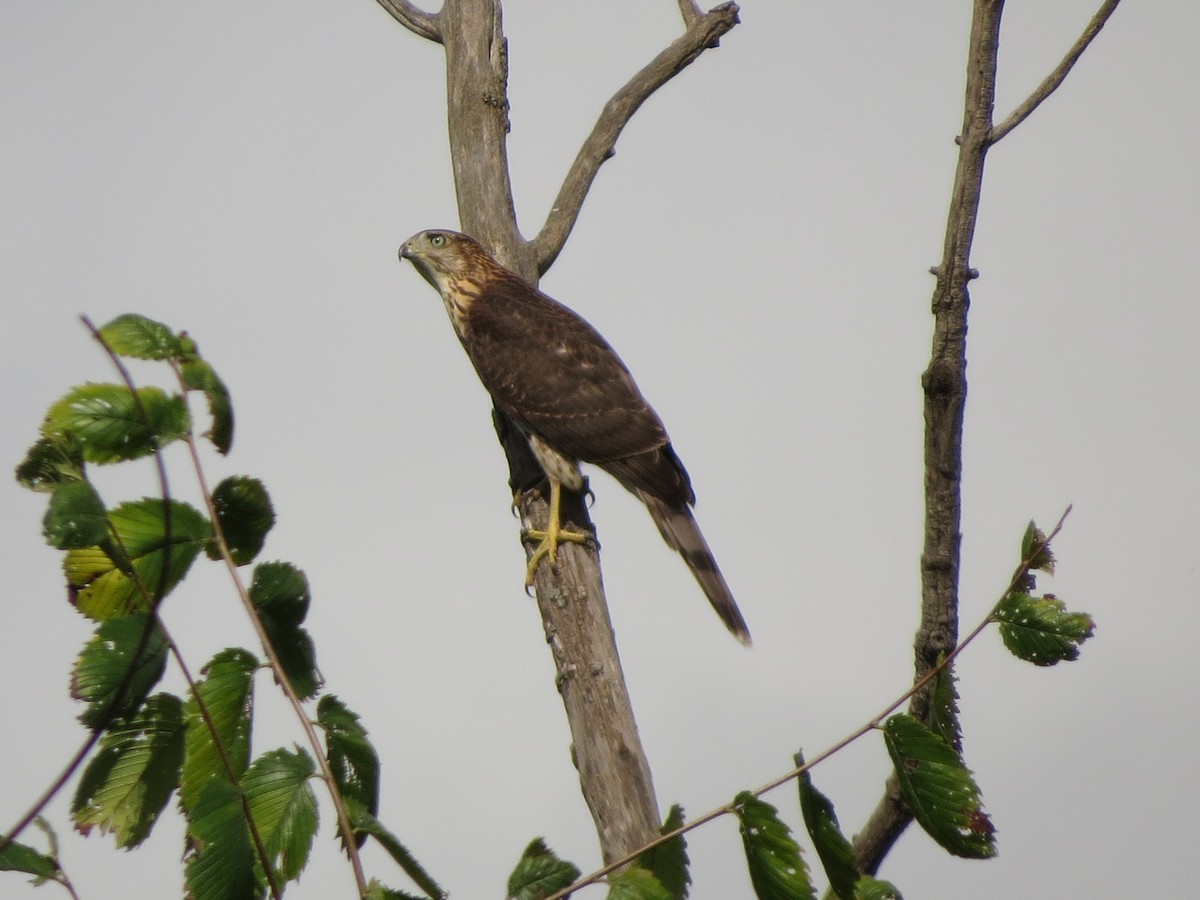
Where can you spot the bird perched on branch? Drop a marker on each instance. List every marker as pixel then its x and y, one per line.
pixel 571 396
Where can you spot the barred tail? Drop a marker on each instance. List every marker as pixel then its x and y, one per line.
pixel 682 534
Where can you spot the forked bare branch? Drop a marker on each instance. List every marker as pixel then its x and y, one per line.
pixel 1056 78
pixel 704 31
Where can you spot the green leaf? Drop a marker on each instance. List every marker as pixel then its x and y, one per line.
pixel 279 592
pixel 126 785
pixel 364 822
pixel 1036 549
pixel 869 888
pixel 22 858
pixel 106 675
pixel 938 789
pixel 245 515
pixel 198 375
pixel 1040 630
pixel 636 883
pixel 284 807
pixel 109 423
pixel 943 706
pixel 221 865
pixel 49 463
pixel 539 873
pixel 837 856
pixel 669 862
pixel 377 891
pixel 76 517
pixel 148 534
pixel 351 756
pixel 228 695
pixel 777 870
pixel 141 338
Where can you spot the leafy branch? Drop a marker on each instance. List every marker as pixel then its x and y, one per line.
pixel 250 823
pixel 934 782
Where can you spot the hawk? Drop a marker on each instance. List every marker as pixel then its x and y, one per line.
pixel 571 396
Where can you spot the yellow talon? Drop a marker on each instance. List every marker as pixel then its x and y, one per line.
pixel 554 535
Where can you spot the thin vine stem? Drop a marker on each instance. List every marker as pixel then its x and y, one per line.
pixel 873 724
pixel 276 664
pixel 154 601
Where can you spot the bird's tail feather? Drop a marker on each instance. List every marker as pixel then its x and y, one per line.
pixel 682 534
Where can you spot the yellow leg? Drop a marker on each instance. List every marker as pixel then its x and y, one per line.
pixel 554 535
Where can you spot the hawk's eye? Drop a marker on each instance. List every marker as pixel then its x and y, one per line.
pixel 437 239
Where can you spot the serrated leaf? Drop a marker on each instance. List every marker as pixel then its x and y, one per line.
pixel 284 807
pixel 539 873
pixel 227 692
pixel 106 675
pixel 198 375
pixel 1036 549
pixel 1040 630
pixel 869 888
pixel 221 865
pixel 279 592
pixel 140 338
pixel 350 754
pixel 943 706
pixel 49 463
pixel 22 858
pixel 938 789
pixel 76 517
pixel 777 871
pixel 147 535
pixel 245 515
pixel 364 822
pixel 109 424
pixel 636 883
pixel 128 782
pixel 837 856
pixel 669 862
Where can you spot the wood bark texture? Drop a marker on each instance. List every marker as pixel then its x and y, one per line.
pixel 607 752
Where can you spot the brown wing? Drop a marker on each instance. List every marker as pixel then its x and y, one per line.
pixel 557 377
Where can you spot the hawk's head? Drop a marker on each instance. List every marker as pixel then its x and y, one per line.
pixel 443 257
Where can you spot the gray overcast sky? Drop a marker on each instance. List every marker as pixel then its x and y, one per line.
pixel 757 251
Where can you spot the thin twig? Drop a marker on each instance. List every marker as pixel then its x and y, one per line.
pixel 277 668
pixel 702 33
pixel 51 792
pixel 1055 78
pixel 419 22
pixel 1018 576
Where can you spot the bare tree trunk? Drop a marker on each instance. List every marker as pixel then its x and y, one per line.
pixel 613 771
pixel 614 774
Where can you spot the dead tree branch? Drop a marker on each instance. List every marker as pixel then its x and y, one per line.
pixel 690 10
pixel 704 31
pixel 1056 78
pixel 416 20
pixel 613 771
